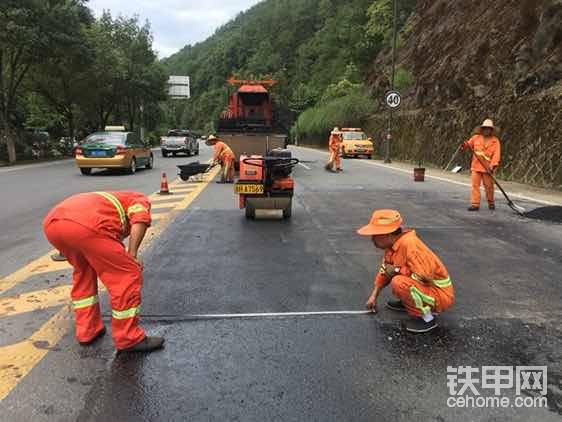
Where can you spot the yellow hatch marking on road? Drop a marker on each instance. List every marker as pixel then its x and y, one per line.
pixel 193 194
pixel 33 301
pixel 37 300
pixel 163 205
pixel 159 216
pixel 17 360
pixel 41 265
pixel 155 198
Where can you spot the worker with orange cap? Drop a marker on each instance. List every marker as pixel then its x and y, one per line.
pixel 486 152
pixel 334 146
pixel 224 156
pixel 416 275
pixel 88 229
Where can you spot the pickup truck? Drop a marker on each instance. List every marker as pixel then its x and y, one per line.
pixel 179 141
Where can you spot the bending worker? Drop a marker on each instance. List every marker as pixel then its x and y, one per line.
pixel 485 147
pixel 416 275
pixel 88 229
pixel 223 155
pixel 334 146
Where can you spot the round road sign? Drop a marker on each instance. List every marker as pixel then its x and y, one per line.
pixel 393 99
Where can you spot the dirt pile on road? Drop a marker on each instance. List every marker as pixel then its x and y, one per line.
pixel 468 60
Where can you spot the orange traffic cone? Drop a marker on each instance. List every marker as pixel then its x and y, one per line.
pixel 164 189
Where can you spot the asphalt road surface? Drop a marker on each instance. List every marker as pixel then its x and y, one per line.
pixel 208 265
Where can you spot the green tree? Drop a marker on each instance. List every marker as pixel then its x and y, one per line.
pixel 30 32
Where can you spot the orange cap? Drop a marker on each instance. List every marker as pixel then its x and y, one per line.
pixel 382 222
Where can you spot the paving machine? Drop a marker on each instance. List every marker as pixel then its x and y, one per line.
pixel 265 183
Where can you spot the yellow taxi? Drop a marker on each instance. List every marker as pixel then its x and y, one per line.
pixel 355 143
pixel 111 149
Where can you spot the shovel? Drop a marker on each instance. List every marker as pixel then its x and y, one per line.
pixel 518 209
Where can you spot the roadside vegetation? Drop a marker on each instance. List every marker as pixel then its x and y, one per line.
pixel 321 52
pixel 64 73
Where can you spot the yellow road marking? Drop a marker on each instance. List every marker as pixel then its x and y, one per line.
pixel 162 205
pixel 41 265
pixel 16 360
pixel 33 301
pixel 193 194
pixel 159 216
pixel 155 198
pixel 182 189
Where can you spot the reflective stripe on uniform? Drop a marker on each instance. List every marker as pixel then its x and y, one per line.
pixel 483 155
pixel 420 298
pixel 85 302
pixel 446 282
pixel 118 206
pixel 135 208
pixel 126 313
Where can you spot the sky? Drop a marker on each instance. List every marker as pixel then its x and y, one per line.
pixel 176 23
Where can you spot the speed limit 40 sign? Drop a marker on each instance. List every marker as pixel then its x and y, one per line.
pixel 393 99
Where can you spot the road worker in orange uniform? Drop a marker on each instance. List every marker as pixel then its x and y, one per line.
pixel 222 154
pixel 416 275
pixel 334 146
pixel 89 229
pixel 486 154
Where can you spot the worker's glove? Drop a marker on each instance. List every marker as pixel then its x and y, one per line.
pixel 465 146
pixel 389 270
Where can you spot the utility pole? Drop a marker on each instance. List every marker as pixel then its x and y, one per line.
pixel 142 122
pixel 389 133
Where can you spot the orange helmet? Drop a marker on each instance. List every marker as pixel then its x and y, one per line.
pixel 382 222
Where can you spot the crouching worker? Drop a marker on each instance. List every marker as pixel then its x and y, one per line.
pixel 88 229
pixel 418 278
pixel 224 156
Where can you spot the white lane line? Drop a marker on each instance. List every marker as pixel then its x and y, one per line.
pixel 35 166
pixel 264 315
pixel 443 179
pixel 305 166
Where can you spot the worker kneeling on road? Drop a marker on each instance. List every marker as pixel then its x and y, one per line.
pixel 416 275
pixel 88 229
pixel 223 155
pixel 334 146
pixel 485 147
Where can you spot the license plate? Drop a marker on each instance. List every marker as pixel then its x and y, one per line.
pixel 97 153
pixel 249 189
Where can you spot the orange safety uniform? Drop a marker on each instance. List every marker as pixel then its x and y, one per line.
pixel 487 151
pixel 223 154
pixel 88 229
pixel 423 283
pixel 334 146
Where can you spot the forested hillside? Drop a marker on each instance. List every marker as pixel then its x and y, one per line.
pixel 457 63
pixel 319 51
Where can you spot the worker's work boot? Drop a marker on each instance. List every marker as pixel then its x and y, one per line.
pixel 491 207
pixel 221 182
pixel 473 208
pixel 149 344
pixel 339 170
pixel 58 257
pixel 418 325
pixel 99 335
pixel 396 305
